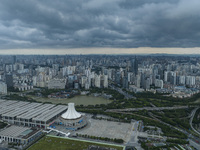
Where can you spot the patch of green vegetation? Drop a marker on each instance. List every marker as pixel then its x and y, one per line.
pixel 115 95
pixel 176 118
pixel 45 92
pixel 3 124
pixel 12 89
pixel 19 98
pixel 177 141
pixel 168 99
pixel 196 119
pixel 178 113
pixel 150 147
pixel 120 141
pixel 167 131
pixel 53 143
pixel 142 112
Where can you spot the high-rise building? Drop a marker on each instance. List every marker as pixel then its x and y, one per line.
pixel 134 66
pixel 97 81
pixel 125 82
pixel 3 88
pixel 190 80
pixel 9 68
pixel 14 59
pixel 173 78
pixel 83 81
pixel 105 81
pixel 57 84
pixel 9 80
pixel 166 76
pixel 118 77
pixel 147 83
pixel 182 80
pixel 159 83
pixel 138 80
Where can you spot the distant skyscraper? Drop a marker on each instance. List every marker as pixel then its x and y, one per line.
pixel 138 80
pixel 147 83
pixel 118 77
pixel 3 88
pixel 159 83
pixel 97 81
pixel 14 59
pixel 105 81
pixel 9 80
pixel 125 82
pixel 134 65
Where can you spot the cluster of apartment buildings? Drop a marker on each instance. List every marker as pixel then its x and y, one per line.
pixel 137 74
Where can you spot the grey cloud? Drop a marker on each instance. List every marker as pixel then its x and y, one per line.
pixel 99 23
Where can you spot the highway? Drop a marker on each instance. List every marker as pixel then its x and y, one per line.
pixel 126 95
pixel 191 119
pixel 192 138
pixel 146 108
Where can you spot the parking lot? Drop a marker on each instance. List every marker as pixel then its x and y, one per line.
pixel 109 129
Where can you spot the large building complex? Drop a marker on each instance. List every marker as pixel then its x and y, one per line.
pixel 19 135
pixel 30 114
pixel 71 119
pixel 57 84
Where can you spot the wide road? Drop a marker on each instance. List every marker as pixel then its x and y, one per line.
pixel 193 138
pixel 147 108
pixel 134 137
pixel 126 95
pixel 191 119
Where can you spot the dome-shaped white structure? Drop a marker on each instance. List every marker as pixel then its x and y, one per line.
pixel 71 113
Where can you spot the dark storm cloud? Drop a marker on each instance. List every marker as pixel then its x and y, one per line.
pixel 99 23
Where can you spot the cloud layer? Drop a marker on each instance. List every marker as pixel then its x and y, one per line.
pixel 99 23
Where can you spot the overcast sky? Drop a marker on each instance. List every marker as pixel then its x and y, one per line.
pixel 99 25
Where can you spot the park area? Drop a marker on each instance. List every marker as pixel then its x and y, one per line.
pixel 78 100
pixel 58 143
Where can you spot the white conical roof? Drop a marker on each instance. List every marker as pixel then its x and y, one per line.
pixel 71 113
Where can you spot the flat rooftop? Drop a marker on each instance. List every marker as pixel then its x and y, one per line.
pixel 27 110
pixel 18 132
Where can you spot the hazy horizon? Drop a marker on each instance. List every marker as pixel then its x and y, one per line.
pixel 78 51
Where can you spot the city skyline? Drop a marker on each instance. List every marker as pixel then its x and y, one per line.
pixel 108 51
pixel 100 74
pixel 120 99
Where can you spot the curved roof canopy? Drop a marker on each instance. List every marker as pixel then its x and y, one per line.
pixel 71 113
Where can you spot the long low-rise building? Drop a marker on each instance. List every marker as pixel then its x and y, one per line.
pixel 30 114
pixel 19 135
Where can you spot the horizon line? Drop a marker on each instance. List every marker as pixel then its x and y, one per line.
pixel 103 51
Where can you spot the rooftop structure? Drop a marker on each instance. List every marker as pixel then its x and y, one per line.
pixel 71 119
pixel 71 113
pixel 20 135
pixel 30 114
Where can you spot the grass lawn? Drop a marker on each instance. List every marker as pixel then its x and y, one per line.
pixel 78 100
pixel 54 143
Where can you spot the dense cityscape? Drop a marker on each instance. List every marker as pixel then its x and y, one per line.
pixel 126 101
pixel 99 75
